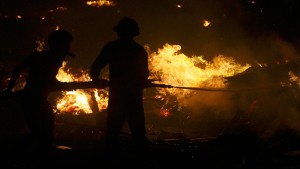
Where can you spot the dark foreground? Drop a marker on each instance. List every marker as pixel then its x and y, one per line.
pixel 80 146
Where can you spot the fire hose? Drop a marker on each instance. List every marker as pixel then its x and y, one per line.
pixel 102 83
pixel 60 86
pixel 191 88
pixel 214 89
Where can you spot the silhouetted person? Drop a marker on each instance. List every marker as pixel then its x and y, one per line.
pixel 128 74
pixel 42 69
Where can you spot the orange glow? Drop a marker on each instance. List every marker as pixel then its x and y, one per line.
pixel 167 64
pixel 40 45
pixel 100 3
pixel 177 69
pixel 165 112
pixel 206 23
pixel 79 101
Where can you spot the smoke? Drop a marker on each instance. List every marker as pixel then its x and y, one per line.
pixel 210 113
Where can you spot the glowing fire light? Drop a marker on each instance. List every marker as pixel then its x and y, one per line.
pixel 175 68
pixel 206 23
pixel 60 8
pixel 294 78
pixel 165 112
pixel 40 45
pixel 78 101
pixel 100 3
pixel 169 65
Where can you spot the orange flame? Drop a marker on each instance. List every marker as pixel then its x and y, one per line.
pixel 100 3
pixel 206 23
pixel 167 64
pixel 177 69
pixel 165 112
pixel 79 101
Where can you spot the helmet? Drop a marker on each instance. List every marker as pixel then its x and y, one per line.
pixel 59 37
pixel 127 26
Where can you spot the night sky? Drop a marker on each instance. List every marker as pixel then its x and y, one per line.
pixel 249 30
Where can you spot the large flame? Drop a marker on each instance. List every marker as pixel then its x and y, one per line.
pixel 168 65
pixel 177 69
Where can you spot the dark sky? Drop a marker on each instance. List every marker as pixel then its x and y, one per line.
pixel 249 30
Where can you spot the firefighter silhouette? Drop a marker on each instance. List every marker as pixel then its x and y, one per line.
pixel 128 74
pixel 42 68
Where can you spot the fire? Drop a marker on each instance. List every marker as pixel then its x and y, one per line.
pixel 79 101
pixel 169 66
pixel 179 6
pixel 206 23
pixel 175 68
pixel 100 3
pixel 165 112
pixel 75 102
pixel 294 79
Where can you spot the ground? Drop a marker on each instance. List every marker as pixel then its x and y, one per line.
pixel 78 145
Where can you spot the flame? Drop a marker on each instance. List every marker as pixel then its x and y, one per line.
pixel 100 3
pixel 206 23
pixel 165 112
pixel 175 68
pixel 294 79
pixel 79 101
pixel 75 102
pixel 167 64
